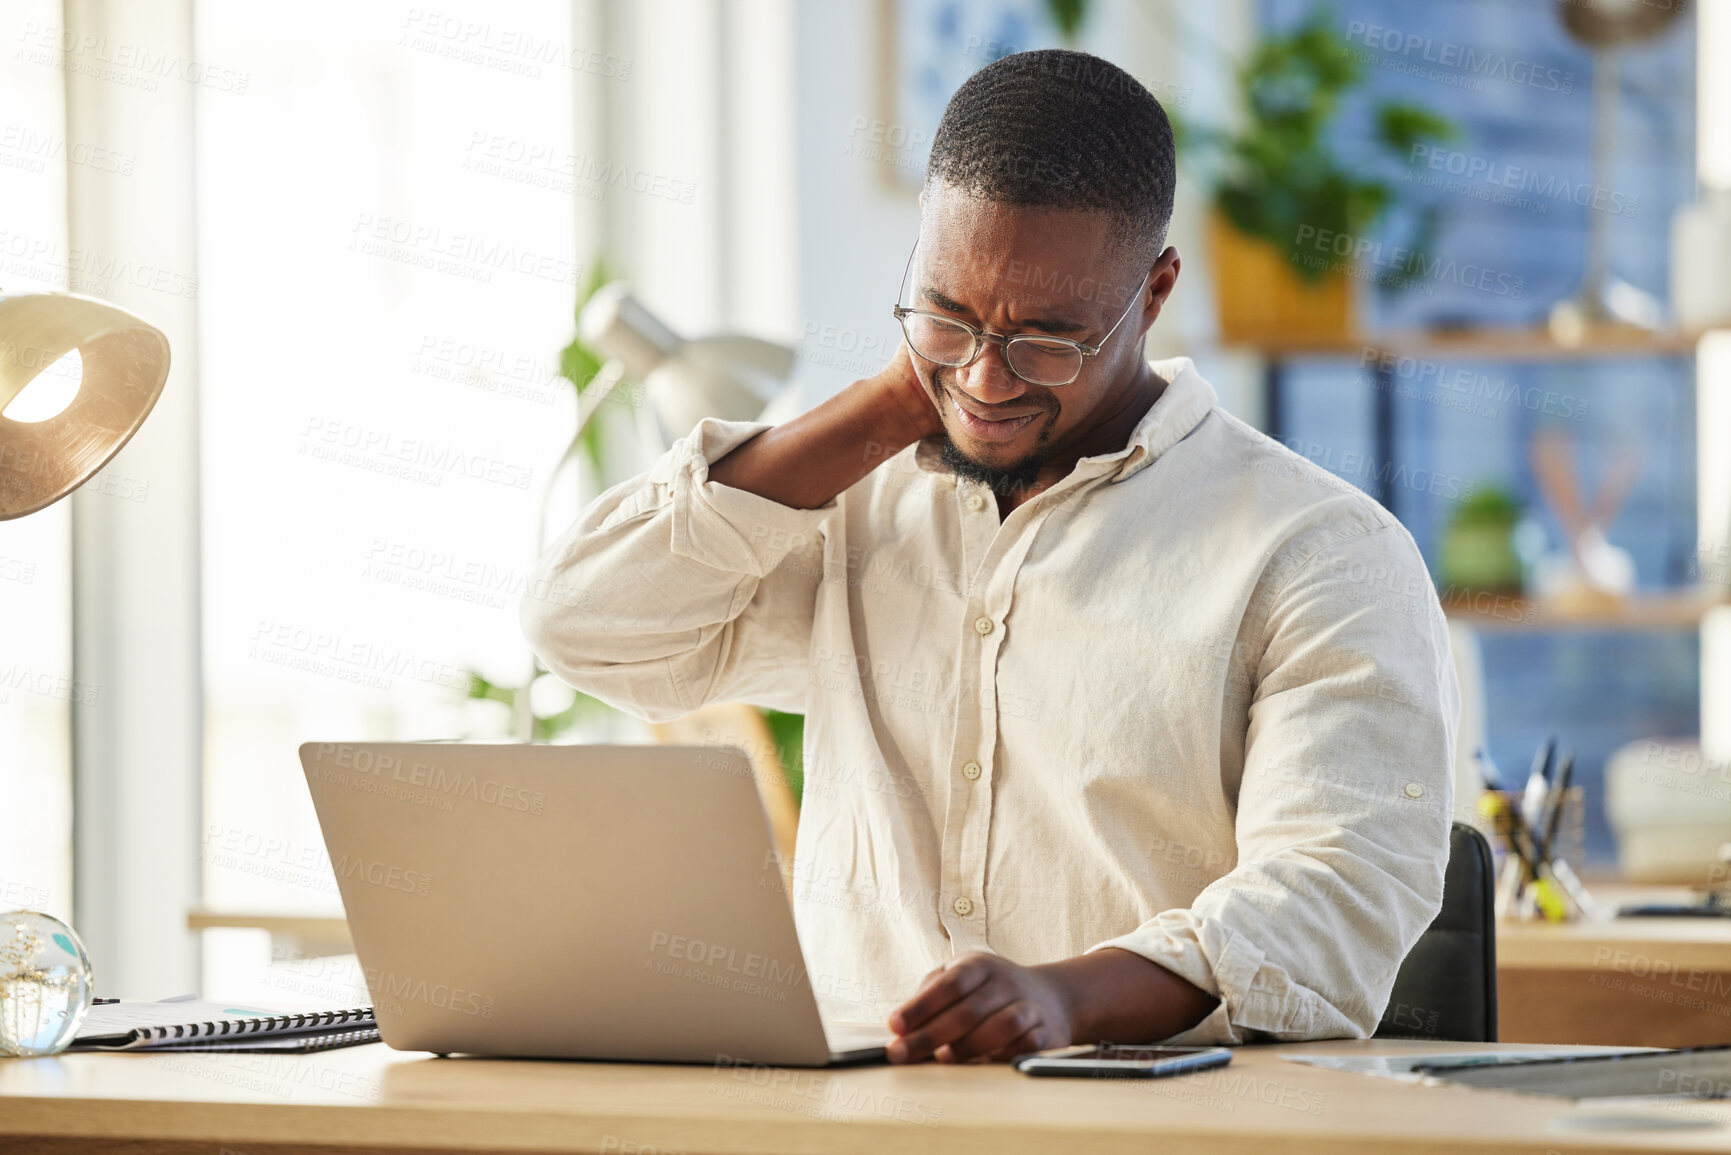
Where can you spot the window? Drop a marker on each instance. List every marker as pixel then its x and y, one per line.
pixel 37 689
pixel 387 276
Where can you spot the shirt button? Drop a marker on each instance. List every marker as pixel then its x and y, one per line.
pixel 982 626
pixel 1414 790
pixel 976 502
pixel 962 907
pixel 971 770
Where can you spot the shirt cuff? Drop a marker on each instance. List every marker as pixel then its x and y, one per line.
pixel 723 527
pixel 1258 999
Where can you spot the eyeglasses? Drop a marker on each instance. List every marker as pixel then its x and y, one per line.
pixel 1038 360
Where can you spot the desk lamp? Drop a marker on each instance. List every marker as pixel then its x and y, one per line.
pixel 729 375
pixel 47 450
pixel 50 445
pixel 1606 26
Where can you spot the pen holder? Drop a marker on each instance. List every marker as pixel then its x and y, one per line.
pixel 1516 891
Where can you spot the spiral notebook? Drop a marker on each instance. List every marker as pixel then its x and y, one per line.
pixel 190 1024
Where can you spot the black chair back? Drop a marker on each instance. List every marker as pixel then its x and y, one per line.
pixel 1447 987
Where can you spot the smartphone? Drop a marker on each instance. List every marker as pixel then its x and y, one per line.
pixel 1112 1060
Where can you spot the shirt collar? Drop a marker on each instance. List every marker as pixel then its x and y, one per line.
pixel 1186 400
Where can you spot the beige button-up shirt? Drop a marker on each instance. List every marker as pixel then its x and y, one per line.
pixel 1194 701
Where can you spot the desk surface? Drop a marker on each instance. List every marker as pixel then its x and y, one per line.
pixel 375 1099
pixel 1607 943
pixel 1662 982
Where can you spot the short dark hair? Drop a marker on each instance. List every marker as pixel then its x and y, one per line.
pixel 1066 130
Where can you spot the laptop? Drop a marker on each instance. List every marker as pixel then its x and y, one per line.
pixel 581 902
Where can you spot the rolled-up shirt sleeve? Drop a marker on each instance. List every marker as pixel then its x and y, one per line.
pixel 672 590
pixel 1343 808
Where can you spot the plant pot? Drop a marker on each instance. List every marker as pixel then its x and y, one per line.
pixel 1480 556
pixel 1261 300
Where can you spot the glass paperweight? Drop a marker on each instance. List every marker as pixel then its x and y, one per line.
pixel 45 984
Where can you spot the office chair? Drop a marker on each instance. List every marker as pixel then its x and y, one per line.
pixel 1447 987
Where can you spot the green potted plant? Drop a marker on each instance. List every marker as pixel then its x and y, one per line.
pixel 1281 197
pixel 1478 547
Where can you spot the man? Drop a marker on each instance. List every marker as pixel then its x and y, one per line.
pixel 1114 730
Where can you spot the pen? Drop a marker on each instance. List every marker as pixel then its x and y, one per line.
pixel 1538 782
pixel 1525 844
pixel 1549 894
pixel 1554 808
pixel 1515 830
pixel 1518 866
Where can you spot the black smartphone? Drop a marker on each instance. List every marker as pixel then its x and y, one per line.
pixel 1113 1060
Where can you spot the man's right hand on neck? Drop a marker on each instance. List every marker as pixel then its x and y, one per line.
pixel 806 461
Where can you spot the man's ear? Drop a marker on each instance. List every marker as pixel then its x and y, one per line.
pixel 1163 278
pixel 922 200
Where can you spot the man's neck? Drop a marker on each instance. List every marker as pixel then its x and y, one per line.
pixel 1118 419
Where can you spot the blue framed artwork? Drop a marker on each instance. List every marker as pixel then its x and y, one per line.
pixel 931 47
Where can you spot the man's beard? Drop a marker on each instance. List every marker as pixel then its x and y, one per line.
pixel 1000 479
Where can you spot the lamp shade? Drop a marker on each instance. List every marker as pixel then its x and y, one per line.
pixel 125 363
pixel 731 376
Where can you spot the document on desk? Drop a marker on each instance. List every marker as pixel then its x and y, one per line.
pixel 1402 1066
pixel 1697 1072
pixel 188 1023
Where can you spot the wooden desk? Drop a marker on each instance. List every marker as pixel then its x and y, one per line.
pixel 1586 982
pixel 1657 982
pixel 372 1099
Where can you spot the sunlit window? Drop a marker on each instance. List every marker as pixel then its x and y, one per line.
pixel 38 691
pixel 387 277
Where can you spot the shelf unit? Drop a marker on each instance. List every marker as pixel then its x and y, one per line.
pixel 1654 610
pixel 1664 609
pixel 1374 350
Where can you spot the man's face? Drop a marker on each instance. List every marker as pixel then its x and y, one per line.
pixel 1008 270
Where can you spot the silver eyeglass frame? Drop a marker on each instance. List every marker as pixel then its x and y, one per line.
pixel 983 338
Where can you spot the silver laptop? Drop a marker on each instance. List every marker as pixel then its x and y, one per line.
pixel 586 902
